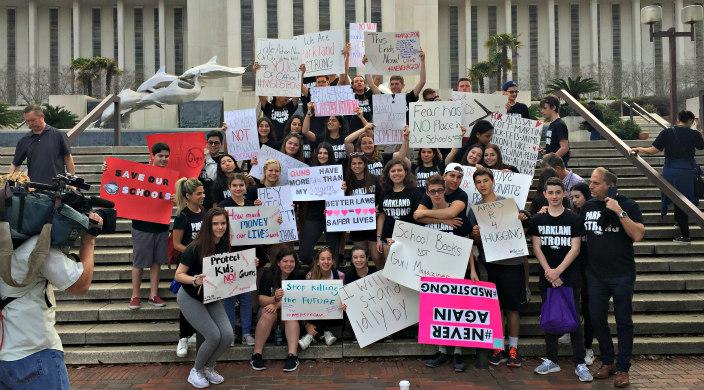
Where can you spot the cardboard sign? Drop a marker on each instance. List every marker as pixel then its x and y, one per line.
pixel 420 251
pixel 279 74
pixel 187 151
pixel 501 231
pixel 389 118
pixel 331 101
pixel 321 52
pixel 392 52
pixel 472 110
pixel 287 163
pixel 315 183
pixel 311 300
pixel 229 274
pixel 378 307
pixel 435 124
pixel 242 136
pixel 280 197
pixel 519 140
pixel 357 42
pixel 460 313
pixel 350 213
pixel 507 184
pixel 139 191
pixel 253 225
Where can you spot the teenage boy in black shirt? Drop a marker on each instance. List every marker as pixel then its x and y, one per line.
pixel 556 136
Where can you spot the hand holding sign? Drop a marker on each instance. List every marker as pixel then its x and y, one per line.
pixel 500 229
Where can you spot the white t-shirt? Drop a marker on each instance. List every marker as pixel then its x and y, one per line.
pixel 29 323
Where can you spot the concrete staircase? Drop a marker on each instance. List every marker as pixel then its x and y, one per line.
pixel 669 299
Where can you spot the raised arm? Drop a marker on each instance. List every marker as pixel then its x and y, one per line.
pixel 305 129
pixel 350 139
pixel 262 99
pixel 421 81
pixel 304 89
pixel 344 80
pixel 403 151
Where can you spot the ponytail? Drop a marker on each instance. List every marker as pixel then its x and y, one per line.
pixel 185 186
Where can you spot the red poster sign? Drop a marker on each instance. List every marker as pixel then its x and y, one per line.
pixel 140 191
pixel 187 151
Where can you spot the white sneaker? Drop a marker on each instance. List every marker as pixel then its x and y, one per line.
pixel 182 347
pixel 248 340
pixel 329 338
pixel 213 376
pixel 589 357
pixel 198 379
pixel 192 340
pixel 564 339
pixel 305 341
pixel 583 373
pixel 546 367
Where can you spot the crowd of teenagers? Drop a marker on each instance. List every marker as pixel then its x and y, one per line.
pixel 582 235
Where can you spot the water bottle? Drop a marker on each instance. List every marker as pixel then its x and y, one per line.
pixel 278 336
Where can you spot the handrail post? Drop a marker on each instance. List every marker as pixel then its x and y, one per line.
pixel 92 116
pixel 117 122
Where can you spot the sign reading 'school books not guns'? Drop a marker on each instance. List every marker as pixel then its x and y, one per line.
pixel 253 225
pixel 501 230
pixel 392 52
pixel 311 300
pixel 229 274
pixel 435 124
pixel 350 213
pixel 315 183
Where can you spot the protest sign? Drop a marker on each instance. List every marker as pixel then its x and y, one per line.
pixel 279 73
pixel 389 118
pixel 139 191
pixel 392 52
pixel 253 225
pixel 435 124
pixel 287 163
pixel 330 101
pixel 186 154
pixel 500 229
pixel 472 110
pixel 357 42
pixel 460 313
pixel 350 213
pixel 229 274
pixel 321 52
pixel 378 307
pixel 420 251
pixel 315 183
pixel 519 140
pixel 311 300
pixel 280 197
pixel 507 184
pixel 242 136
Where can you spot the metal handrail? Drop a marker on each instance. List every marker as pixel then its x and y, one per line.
pixel 631 110
pixel 653 176
pixel 662 123
pixel 94 115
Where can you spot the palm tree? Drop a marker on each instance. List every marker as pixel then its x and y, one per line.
pixel 85 71
pixel 575 87
pixel 502 43
pixel 109 66
pixel 479 72
pixel 9 118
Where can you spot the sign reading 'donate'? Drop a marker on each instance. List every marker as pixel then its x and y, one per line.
pixel 501 230
pixel 435 124
pixel 519 140
pixel 321 52
pixel 392 52
pixel 315 183
pixel 389 118
pixel 279 74
pixel 253 225
pixel 311 300
pixel 242 136
pixel 507 184
pixel 350 213
pixel 331 101
pixel 280 197
pixel 229 274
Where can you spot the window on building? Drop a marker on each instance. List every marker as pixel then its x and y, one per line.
pixel 514 30
pixel 138 45
pixel 323 15
pixel 533 49
pixel 272 19
pixel 95 25
pixel 11 55
pixel 298 24
pixel 574 37
pixel 376 14
pixel 114 33
pixel 454 46
pixel 178 41
pixel 557 37
pixel 350 16
pixel 53 50
pixel 492 20
pixel 247 41
pixel 157 60
pixel 616 46
pixel 598 33
pixel 473 43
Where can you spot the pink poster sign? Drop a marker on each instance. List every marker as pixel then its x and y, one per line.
pixel 459 312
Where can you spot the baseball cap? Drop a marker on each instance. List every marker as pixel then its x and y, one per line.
pixel 508 85
pixel 454 167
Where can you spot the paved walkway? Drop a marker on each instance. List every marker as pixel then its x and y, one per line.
pixel 360 374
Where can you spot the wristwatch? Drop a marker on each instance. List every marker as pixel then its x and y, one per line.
pixel 194 280
pixel 622 214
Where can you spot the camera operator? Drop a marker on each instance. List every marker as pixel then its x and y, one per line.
pixel 31 354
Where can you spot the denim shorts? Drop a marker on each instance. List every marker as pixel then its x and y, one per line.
pixel 44 370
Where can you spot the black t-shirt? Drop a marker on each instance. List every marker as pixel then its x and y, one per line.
pixel 318 124
pixel 449 198
pixel 375 166
pixel 267 287
pixel 610 248
pixel 44 154
pixel 520 109
pixel 423 173
pixel 274 144
pixel 219 194
pixel 351 274
pixel 190 223
pixel 679 142
pixel 365 103
pixel 194 262
pixel 229 202
pixel 398 206
pixel 557 131
pixel 338 146
pixel 279 116
pixel 556 235
pixel 149 227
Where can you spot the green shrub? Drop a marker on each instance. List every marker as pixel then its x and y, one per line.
pixel 626 130
pixel 9 118
pixel 534 111
pixel 59 117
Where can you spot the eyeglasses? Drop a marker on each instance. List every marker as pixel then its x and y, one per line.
pixel 513 92
pixel 214 143
pixel 436 191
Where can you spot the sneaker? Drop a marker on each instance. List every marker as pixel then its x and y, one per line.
pixel 497 357
pixel 291 363
pixel 682 240
pixel 583 373
pixel 305 341
pixel 198 379
pixel 547 366
pixel 458 363
pixel 135 303
pixel 213 376
pixel 329 338
pixel 192 340
pixel 564 339
pixel 437 360
pixel 589 357
pixel 248 340
pixel 156 301
pixel 257 362
pixel 182 347
pixel 514 359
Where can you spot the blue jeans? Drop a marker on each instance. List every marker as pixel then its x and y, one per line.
pixel 245 301
pixel 621 289
pixel 41 370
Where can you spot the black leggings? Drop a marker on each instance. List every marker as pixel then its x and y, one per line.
pixel 185 329
pixel 312 229
pixel 682 221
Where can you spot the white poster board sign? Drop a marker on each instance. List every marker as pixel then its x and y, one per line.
pixel 321 52
pixel 311 300
pixel 332 101
pixel 420 251
pixel 519 140
pixel 507 184
pixel 472 110
pixel 242 137
pixel 378 307
pixel 279 73
pixel 315 183
pixel 229 274
pixel 389 118
pixel 392 52
pixel 357 42
pixel 280 197
pixel 267 153
pixel 501 230
pixel 350 213
pixel 253 225
pixel 435 124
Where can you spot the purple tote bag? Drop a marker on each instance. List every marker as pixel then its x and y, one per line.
pixel 558 315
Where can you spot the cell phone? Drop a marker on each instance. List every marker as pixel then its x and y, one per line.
pixel 613 191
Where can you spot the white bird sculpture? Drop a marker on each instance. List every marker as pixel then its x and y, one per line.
pixel 211 70
pixel 173 94
pixel 160 79
pixel 128 100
